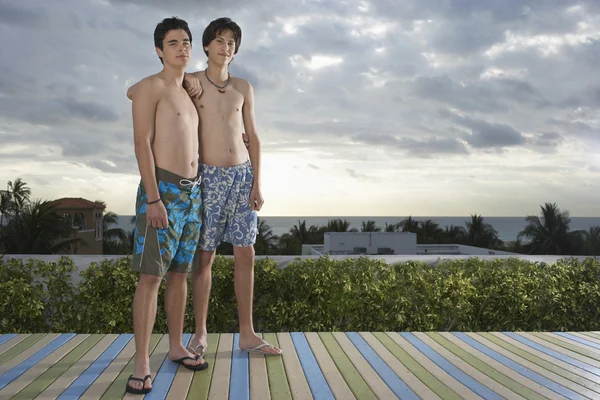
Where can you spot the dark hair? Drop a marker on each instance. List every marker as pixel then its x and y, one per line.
pixel 219 26
pixel 166 25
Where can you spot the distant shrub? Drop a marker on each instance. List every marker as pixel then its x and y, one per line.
pixel 319 295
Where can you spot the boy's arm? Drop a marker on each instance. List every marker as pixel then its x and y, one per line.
pixel 132 89
pixel 253 145
pixel 145 99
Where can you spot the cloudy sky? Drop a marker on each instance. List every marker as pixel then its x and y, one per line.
pixel 421 107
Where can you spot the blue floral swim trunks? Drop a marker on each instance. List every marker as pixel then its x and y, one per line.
pixel 226 212
pixel 156 251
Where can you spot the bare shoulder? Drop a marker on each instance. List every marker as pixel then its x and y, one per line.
pixel 242 85
pixel 150 87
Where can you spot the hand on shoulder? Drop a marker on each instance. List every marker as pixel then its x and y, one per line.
pixel 192 84
pixel 150 86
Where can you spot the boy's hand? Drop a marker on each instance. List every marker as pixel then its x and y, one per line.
pixel 192 86
pixel 256 199
pixel 156 215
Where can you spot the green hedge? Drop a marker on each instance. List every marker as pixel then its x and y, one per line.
pixel 319 295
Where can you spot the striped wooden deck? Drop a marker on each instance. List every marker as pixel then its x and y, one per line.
pixel 315 366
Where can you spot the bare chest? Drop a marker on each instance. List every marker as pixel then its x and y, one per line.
pixel 223 106
pixel 176 107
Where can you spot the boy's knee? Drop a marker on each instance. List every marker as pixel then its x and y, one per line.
pixel 244 254
pixel 203 260
pixel 149 280
pixel 174 276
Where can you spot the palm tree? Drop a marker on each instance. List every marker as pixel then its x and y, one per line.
pixel 392 227
pixel 38 229
pixel 409 225
pixel 591 245
pixel 481 234
pixel 110 218
pixel 454 235
pixel 19 192
pixel 5 206
pixel 266 241
pixel 369 226
pixel 339 225
pixel 300 232
pixel 550 233
pixel 515 246
pixel 289 244
pixel 429 232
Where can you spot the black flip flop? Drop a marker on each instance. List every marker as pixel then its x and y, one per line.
pixel 143 390
pixel 198 367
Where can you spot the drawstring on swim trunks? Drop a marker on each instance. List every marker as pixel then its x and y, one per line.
pixel 193 184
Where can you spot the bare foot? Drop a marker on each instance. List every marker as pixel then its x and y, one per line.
pixel 141 370
pixel 180 352
pixel 198 344
pixel 252 341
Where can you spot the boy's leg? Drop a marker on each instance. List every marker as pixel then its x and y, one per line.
pixel 147 261
pixel 144 315
pixel 175 299
pixel 212 213
pixel 242 232
pixel 177 276
pixel 201 285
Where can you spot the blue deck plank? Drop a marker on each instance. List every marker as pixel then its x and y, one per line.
pixel 579 340
pixel 6 337
pixel 451 369
pixel 165 375
pixel 21 368
pixel 555 387
pixel 83 382
pixel 569 360
pixel 396 385
pixel 239 383
pixel 316 380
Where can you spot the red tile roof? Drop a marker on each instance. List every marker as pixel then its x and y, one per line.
pixel 78 203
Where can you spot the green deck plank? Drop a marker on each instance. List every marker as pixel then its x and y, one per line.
pixel 543 363
pixel 591 334
pixel 117 389
pixel 200 386
pixel 416 368
pixel 554 339
pixel 278 382
pixel 20 347
pixel 355 381
pixel 484 368
pixel 43 381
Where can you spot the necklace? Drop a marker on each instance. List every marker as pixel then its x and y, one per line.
pixel 221 89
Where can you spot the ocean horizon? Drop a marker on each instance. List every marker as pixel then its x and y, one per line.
pixel 507 227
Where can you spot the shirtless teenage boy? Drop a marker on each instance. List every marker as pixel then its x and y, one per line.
pixel 231 193
pixel 165 126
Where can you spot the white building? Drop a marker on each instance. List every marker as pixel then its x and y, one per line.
pixel 388 243
pixel 370 243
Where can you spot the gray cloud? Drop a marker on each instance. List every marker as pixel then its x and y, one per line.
pixel 489 135
pixel 88 110
pixel 421 147
pixel 472 34
pixel 487 96
pixel 16 15
pixel 361 177
pixel 313 166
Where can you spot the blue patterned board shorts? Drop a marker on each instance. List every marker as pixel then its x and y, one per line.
pixel 156 251
pixel 226 212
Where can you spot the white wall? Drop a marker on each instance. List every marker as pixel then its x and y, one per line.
pixel 345 242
